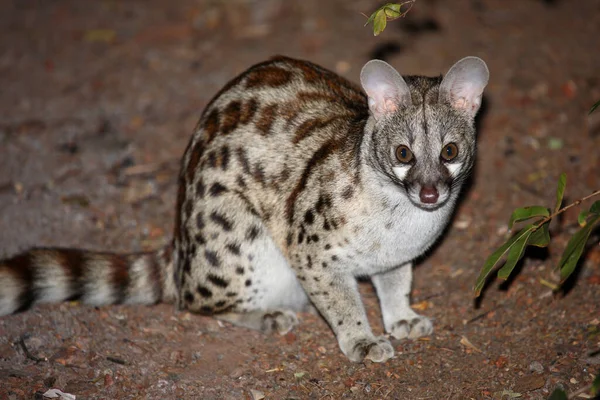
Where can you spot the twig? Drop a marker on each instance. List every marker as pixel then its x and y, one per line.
pixel 562 210
pixel 27 352
pixel 116 360
pixel 482 315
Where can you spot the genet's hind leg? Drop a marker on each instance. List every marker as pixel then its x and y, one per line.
pixel 236 272
pixel 280 321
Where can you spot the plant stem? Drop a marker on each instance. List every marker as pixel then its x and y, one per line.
pixel 562 210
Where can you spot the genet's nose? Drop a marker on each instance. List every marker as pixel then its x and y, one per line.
pixel 429 194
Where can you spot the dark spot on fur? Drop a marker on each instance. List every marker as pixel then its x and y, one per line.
pixel 290 238
pixel 300 237
pixel 309 126
pixel 309 217
pixel 241 182
pixel 324 264
pixel 243 159
pixel 231 294
pixel 234 248
pixel 188 297
pixel 348 192
pixel 239 270
pixel 248 282
pixel 249 108
pixel 211 159
pixel 231 117
pixel 217 189
pixel 285 174
pixel 259 173
pixel 252 233
pixel 200 221
pixel 221 220
pixel 314 238
pixel 220 303
pixel 204 292
pixel 340 322
pixel 327 246
pixel 269 76
pixel 212 258
pixel 217 281
pixel 224 157
pixel 211 125
pixel 200 188
pixel 266 119
pixel 318 157
pixel 334 258
pixel 195 155
pixel 188 209
pixel 187 266
pixel 200 239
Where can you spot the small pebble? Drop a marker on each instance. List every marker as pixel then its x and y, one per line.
pixel 536 366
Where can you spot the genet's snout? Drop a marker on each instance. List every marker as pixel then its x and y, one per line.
pixel 429 194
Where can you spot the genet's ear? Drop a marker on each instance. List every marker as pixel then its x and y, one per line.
pixel 385 87
pixel 463 85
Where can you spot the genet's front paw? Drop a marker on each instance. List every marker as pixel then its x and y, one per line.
pixel 413 328
pixel 376 349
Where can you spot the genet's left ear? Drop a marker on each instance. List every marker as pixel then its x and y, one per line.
pixel 463 85
pixel 385 87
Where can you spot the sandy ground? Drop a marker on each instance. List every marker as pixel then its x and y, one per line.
pixel 97 101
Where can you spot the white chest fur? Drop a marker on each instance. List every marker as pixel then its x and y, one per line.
pixel 384 237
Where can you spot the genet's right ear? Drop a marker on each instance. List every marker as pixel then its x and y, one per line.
pixel 463 85
pixel 386 89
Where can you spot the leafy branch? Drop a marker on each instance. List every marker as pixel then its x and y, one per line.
pixel 594 107
pixel 388 12
pixel 537 234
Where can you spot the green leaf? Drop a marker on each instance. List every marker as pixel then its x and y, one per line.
pixel 540 237
pixel 371 18
pixel 558 394
pixel 575 248
pixel 379 23
pixel 594 107
pixel 392 11
pixel 560 190
pixel 493 260
pixel 525 213
pixel 515 253
pixel 595 208
pixel 596 386
pixel 582 218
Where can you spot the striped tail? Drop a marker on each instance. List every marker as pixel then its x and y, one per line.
pixel 45 275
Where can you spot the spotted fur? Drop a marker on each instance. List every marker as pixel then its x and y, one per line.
pixel 289 189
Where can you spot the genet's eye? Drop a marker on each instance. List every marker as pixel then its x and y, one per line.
pixel 403 154
pixel 449 152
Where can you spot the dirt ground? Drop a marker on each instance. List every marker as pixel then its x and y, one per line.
pixel 98 99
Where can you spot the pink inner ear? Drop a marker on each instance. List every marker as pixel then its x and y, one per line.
pixel 390 105
pixel 461 102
